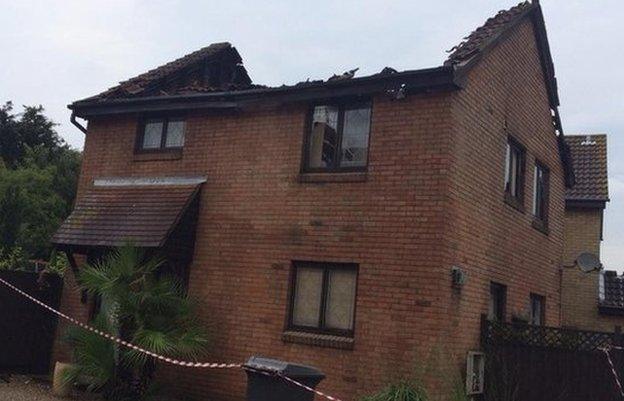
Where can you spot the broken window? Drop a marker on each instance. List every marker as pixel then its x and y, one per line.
pixel 540 193
pixel 161 133
pixel 514 172
pixel 323 297
pixel 338 137
pixel 323 138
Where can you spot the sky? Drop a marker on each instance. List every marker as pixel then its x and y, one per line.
pixel 55 52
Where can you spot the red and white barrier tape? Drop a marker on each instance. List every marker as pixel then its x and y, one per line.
pixel 612 366
pixel 288 379
pixel 188 364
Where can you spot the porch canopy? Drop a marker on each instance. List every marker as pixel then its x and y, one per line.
pixel 139 211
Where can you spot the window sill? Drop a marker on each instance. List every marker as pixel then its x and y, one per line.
pixel 333 177
pixel 319 340
pixel 158 155
pixel 540 226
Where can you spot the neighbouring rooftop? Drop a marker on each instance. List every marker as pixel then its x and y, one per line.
pixel 589 161
pixel 611 292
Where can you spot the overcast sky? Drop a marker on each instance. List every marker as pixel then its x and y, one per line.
pixel 55 52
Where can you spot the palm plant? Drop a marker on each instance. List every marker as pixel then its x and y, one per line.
pixel 142 306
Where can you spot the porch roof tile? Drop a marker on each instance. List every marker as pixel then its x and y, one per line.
pixel 141 215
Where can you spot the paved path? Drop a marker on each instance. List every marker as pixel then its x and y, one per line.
pixel 22 388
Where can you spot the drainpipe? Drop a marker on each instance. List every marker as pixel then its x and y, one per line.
pixel 77 124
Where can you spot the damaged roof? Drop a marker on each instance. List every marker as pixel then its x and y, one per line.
pixel 214 78
pixel 589 160
pixel 216 72
pixel 480 38
pixel 217 67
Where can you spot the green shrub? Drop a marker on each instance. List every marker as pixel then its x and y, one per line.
pixel 403 390
pixel 12 259
pixel 141 306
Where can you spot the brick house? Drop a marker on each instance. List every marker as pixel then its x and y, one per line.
pixel 590 301
pixel 324 222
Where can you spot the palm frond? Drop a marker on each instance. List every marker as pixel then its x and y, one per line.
pixel 94 356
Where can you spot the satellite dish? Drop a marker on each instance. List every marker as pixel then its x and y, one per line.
pixel 588 262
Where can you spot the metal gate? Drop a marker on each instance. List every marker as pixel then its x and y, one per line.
pixel 26 330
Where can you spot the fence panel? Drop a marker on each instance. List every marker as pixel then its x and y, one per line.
pixel 26 330
pixel 533 363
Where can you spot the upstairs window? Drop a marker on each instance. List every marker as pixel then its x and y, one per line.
pixel 514 173
pixel 538 309
pixel 338 138
pixel 540 193
pixel 323 298
pixel 498 302
pixel 161 134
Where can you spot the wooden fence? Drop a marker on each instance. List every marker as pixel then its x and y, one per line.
pixel 26 330
pixel 534 363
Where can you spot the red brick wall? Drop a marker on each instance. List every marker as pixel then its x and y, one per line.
pixel 256 217
pixel 432 199
pixel 488 238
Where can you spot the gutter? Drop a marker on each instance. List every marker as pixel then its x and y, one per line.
pixel 411 81
pixel 77 124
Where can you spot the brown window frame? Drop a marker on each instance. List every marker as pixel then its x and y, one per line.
pixel 498 289
pixel 165 119
pixel 516 200
pixel 541 221
pixel 542 300
pixel 342 105
pixel 327 267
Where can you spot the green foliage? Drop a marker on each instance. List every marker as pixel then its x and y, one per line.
pixel 58 263
pixel 145 308
pixel 30 210
pixel 12 259
pixel 458 392
pixel 437 368
pixel 94 356
pixel 403 390
pixel 38 179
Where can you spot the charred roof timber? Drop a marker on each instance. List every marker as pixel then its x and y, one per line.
pixel 215 78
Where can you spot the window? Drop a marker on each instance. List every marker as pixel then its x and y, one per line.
pixel 540 193
pixel 498 301
pixel 323 298
pixel 514 173
pixel 537 309
pixel 161 134
pixel 338 138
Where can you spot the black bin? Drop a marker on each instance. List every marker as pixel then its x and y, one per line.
pixel 262 387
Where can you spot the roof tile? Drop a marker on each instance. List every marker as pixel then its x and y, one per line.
pixel 589 160
pixel 141 84
pixel 114 215
pixel 612 294
pixel 485 34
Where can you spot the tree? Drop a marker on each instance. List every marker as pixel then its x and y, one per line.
pixel 30 210
pixel 9 141
pixel 38 178
pixel 143 307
